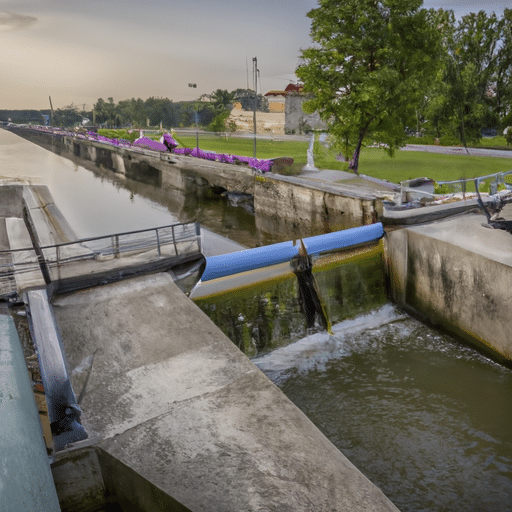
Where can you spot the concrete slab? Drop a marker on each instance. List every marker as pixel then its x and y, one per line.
pixel 470 231
pixel 171 397
pixel 10 201
pixel 50 225
pixel 28 273
pixel 26 483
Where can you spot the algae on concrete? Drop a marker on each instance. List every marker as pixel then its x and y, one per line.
pixel 269 314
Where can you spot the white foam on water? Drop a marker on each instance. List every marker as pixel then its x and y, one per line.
pixel 315 350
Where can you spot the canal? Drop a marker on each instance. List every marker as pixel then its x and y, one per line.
pixel 426 418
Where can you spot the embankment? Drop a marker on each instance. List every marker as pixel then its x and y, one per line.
pixel 289 206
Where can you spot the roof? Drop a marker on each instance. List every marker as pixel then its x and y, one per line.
pixel 294 88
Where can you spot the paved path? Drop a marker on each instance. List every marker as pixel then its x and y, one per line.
pixel 455 150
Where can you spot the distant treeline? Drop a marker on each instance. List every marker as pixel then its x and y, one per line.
pixel 208 111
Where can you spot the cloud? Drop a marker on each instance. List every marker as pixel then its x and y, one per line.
pixel 13 21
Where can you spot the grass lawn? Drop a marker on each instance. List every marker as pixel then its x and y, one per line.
pixel 411 164
pixel 245 147
pixel 374 162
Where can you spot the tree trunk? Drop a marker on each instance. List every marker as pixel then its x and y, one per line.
pixel 463 131
pixel 354 163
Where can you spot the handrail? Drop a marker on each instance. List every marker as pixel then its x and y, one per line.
pixel 479 178
pixel 103 237
pixel 54 257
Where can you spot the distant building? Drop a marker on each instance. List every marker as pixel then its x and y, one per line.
pixel 276 100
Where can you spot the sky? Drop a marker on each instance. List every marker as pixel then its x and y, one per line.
pixel 77 51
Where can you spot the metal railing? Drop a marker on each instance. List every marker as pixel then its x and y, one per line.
pixel 491 183
pixel 165 241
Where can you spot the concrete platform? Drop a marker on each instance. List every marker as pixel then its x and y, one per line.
pixel 26 483
pixel 171 398
pixel 456 273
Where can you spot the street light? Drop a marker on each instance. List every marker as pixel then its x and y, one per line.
pixel 196 118
pixel 255 76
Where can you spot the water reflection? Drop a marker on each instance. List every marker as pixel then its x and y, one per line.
pixel 99 203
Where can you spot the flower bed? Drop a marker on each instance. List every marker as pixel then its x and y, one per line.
pixel 166 144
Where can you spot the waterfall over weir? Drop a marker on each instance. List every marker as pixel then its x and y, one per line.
pixel 261 307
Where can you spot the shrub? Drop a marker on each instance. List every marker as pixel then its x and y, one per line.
pixel 508 136
pixel 219 123
pixel 449 140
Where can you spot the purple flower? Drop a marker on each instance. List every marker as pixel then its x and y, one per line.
pixel 148 143
pixel 168 141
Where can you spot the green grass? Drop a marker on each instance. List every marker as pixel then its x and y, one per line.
pixel 411 164
pixel 245 147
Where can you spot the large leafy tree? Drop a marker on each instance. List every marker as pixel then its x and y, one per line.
pixel 504 71
pixel 472 91
pixel 368 69
pixel 222 100
pixel 470 73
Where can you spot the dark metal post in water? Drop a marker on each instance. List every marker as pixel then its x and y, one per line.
pixel 308 289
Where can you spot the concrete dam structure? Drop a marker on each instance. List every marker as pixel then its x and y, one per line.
pixel 177 418
pixel 157 394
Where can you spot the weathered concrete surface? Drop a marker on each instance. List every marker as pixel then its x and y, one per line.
pixel 458 274
pixel 301 206
pixel 79 481
pixel 26 483
pixel 173 399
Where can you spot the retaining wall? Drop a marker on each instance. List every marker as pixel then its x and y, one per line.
pixel 456 274
pixel 291 206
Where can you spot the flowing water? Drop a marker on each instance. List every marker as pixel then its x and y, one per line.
pixel 425 418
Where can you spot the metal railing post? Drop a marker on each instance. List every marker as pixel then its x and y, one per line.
pixel 174 241
pixel 198 236
pixel 158 243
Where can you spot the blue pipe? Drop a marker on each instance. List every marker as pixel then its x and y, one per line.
pixel 251 259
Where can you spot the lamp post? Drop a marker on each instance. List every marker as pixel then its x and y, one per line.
pixel 255 74
pixel 196 119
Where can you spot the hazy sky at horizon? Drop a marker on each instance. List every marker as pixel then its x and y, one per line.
pixel 78 51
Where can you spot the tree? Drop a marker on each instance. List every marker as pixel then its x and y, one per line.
pixel 504 71
pixel 368 69
pixel 222 100
pixel 67 116
pixel 470 73
pixel 246 99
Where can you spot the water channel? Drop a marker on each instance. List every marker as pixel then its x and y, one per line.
pixel 426 418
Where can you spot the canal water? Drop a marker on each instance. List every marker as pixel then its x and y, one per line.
pixel 425 418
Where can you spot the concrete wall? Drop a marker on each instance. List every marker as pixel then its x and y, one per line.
pixel 296 118
pixel 285 205
pixel 452 274
pixel 290 206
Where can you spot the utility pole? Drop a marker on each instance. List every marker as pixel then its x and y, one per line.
pixel 196 118
pixel 51 112
pixel 255 77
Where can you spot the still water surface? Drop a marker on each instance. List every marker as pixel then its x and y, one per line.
pixel 425 418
